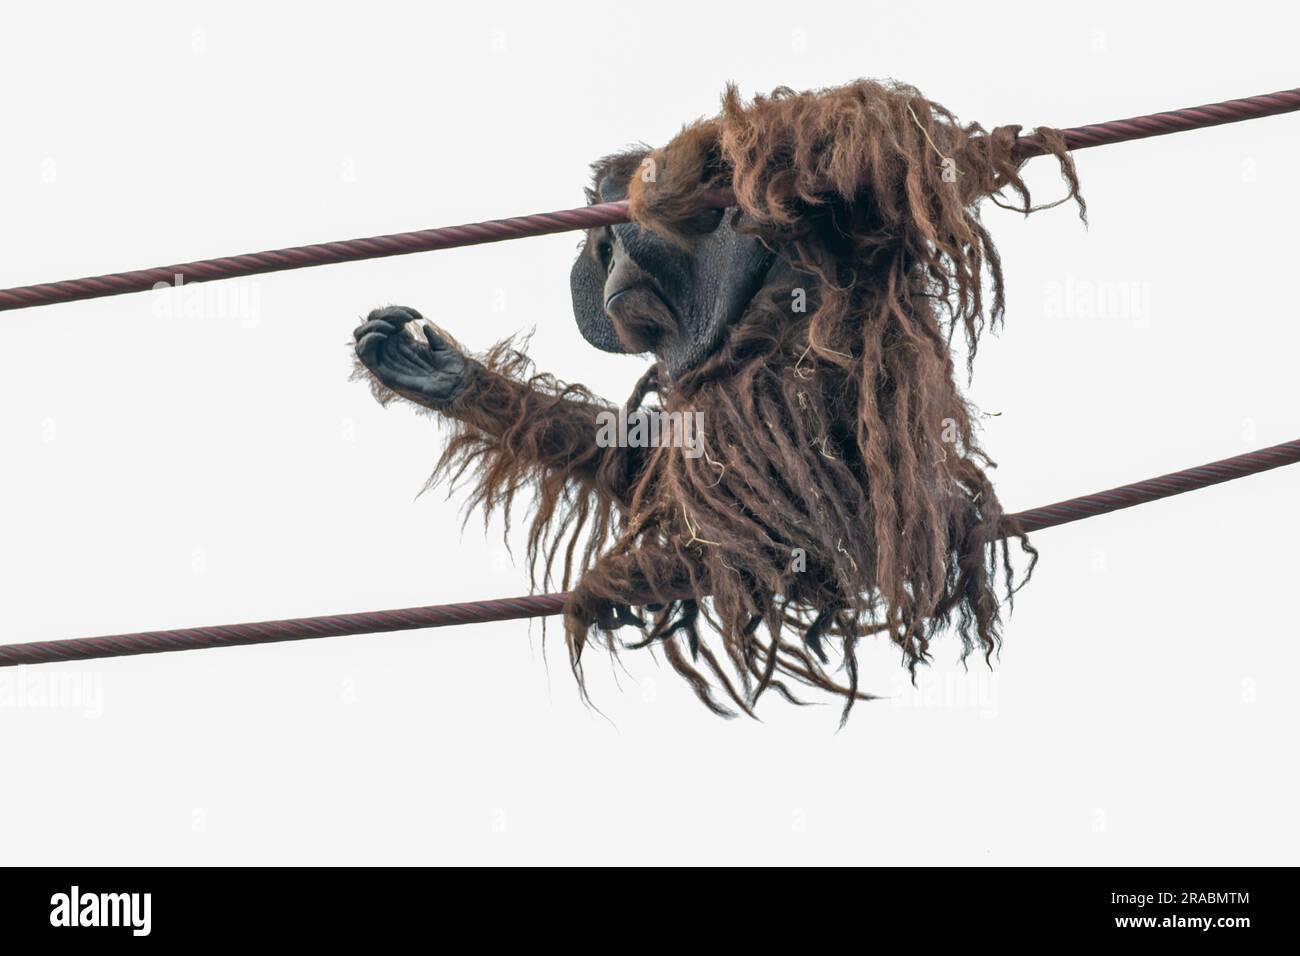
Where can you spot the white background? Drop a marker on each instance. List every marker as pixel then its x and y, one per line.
pixel 171 470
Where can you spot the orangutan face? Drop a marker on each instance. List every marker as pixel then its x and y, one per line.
pixel 635 292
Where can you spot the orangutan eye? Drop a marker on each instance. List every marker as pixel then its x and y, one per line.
pixel 703 222
pixel 605 253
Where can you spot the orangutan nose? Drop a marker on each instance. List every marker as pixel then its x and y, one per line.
pixel 624 276
pixel 639 314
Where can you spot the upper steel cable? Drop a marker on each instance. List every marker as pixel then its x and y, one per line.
pixel 584 217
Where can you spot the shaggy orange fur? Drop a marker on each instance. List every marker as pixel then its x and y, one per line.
pixel 842 491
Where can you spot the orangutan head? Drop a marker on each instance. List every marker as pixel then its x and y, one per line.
pixel 636 291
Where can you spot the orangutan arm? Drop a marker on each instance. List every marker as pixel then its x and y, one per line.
pixel 536 423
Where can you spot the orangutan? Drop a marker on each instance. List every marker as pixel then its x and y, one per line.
pixel 837 488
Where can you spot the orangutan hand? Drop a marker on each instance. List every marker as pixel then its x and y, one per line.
pixel 423 367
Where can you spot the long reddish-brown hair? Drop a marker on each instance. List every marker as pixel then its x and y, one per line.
pixel 842 491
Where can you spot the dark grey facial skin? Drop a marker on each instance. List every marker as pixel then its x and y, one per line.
pixel 634 292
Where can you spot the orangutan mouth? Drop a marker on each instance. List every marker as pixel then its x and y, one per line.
pixel 642 317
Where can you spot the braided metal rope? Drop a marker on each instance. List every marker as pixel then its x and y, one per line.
pixel 270 632
pixel 301 257
pixel 1175 121
pixel 1153 489
pixel 584 217
pixel 541 605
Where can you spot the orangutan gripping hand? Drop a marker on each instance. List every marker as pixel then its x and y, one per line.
pixel 430 372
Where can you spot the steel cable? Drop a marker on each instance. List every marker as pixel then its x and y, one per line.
pixel 541 605
pixel 564 220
